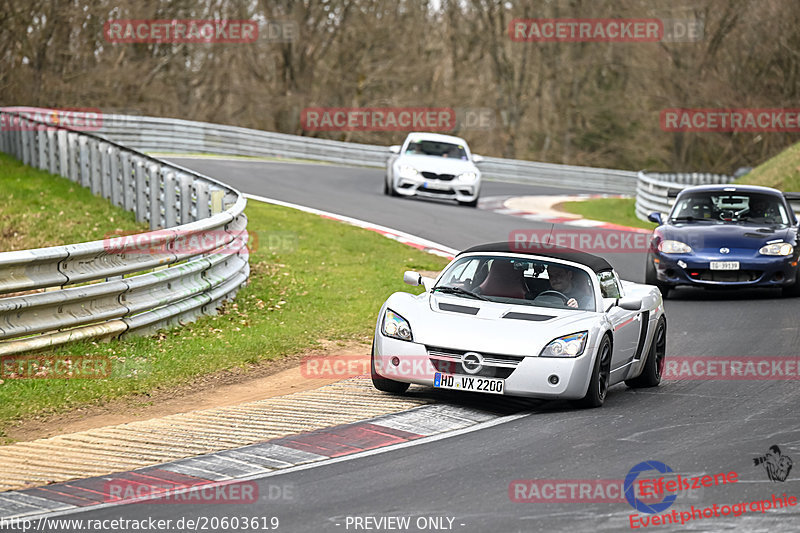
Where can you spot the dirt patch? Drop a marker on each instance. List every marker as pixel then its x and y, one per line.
pixel 230 387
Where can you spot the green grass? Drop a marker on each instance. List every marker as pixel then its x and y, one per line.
pixel 620 211
pixel 38 209
pixel 329 285
pixel 781 172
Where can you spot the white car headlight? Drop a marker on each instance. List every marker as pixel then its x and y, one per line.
pixel 405 170
pixel 571 345
pixel 777 248
pixel 468 177
pixel 396 326
pixel 674 247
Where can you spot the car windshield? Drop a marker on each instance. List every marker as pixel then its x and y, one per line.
pixel 437 149
pixel 730 207
pixel 522 281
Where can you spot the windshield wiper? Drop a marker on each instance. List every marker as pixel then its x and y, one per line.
pixel 459 290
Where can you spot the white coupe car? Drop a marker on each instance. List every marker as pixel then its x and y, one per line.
pixel 535 320
pixel 434 166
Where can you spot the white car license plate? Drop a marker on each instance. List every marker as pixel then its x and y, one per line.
pixel 724 265
pixel 470 383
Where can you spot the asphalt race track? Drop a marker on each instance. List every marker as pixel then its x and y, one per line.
pixel 694 426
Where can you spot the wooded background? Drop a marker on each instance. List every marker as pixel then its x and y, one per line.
pixel 578 103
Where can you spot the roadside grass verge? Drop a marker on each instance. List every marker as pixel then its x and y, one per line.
pixel 781 172
pixel 328 285
pixel 38 209
pixel 615 210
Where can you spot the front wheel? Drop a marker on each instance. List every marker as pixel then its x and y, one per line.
pixel 601 376
pixel 383 384
pixel 650 277
pixel 388 189
pixel 656 360
pixel 793 290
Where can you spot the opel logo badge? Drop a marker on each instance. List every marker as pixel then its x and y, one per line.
pixel 472 362
pixel 724 250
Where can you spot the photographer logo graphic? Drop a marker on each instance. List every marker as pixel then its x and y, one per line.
pixel 630 495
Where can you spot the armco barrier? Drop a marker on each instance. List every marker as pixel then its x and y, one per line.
pixel 652 189
pixel 152 134
pixel 93 299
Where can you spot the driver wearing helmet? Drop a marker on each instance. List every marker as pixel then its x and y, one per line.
pixel 564 281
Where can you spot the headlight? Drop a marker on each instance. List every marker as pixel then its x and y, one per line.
pixel 778 248
pixel 405 170
pixel 674 247
pixel 396 326
pixel 566 346
pixel 468 176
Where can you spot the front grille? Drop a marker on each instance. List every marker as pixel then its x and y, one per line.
pixel 494 365
pixel 435 176
pixel 727 276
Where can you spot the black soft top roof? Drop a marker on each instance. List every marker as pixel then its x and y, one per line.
pixel 598 264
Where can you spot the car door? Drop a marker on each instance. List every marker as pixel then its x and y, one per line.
pixel 626 325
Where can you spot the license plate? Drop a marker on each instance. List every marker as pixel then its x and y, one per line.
pixel 724 265
pixel 434 186
pixel 469 383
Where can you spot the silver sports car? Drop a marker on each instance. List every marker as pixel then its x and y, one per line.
pixel 524 320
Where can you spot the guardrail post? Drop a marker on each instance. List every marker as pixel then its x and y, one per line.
pixel 170 198
pixel 126 181
pixel 84 162
pixel 115 176
pixel 63 153
pixel 52 151
pixel 154 173
pixel 27 143
pixel 105 170
pixel 95 167
pixel 185 198
pixel 141 189
pixel 41 145
pixel 203 200
pixel 73 157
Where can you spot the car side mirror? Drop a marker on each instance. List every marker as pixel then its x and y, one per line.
pixel 477 158
pixel 412 278
pixel 655 217
pixel 395 149
pixel 631 304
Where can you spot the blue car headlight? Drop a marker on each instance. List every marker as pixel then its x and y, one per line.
pixel 571 345
pixel 396 326
pixel 674 247
pixel 777 248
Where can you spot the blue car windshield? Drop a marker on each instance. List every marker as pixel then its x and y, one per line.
pixel 731 207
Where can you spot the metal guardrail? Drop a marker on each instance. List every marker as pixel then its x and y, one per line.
pixel 652 189
pixel 151 134
pixel 188 268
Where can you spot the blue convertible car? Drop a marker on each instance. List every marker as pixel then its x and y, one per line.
pixel 726 236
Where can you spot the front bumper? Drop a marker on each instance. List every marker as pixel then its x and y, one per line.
pixel 528 378
pixel 432 188
pixel 760 271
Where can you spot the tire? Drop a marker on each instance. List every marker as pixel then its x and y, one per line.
pixel 473 203
pixel 792 291
pixel 601 374
pixel 383 384
pixel 389 189
pixel 650 278
pixel 656 359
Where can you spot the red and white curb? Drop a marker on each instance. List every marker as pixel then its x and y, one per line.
pixel 497 205
pixel 400 236
pixel 211 471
